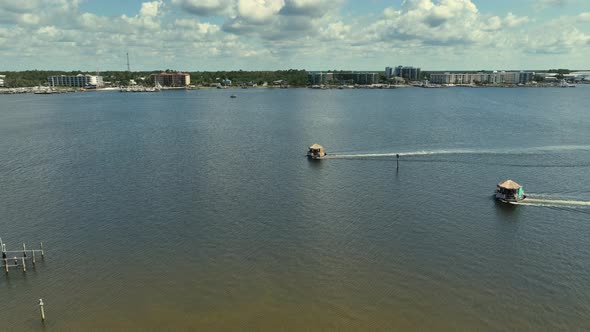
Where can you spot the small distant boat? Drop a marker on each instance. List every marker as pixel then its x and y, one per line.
pixel 233 96
pixel 316 151
pixel 509 191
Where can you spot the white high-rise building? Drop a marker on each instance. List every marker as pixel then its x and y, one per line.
pixel 2 77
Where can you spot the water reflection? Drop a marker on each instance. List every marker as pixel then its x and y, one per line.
pixel 506 211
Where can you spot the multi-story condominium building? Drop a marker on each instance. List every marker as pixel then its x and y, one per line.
pixel 482 77
pixel 388 72
pixel 319 78
pixel 363 78
pixel 344 77
pixel 2 77
pixel 78 80
pixel 172 79
pixel 407 72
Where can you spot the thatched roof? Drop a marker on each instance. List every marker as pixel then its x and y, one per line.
pixel 509 184
pixel 316 146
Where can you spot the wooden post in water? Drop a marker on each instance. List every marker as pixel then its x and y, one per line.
pixel 42 309
pixel 33 257
pixel 4 255
pixel 397 156
pixel 42 252
pixel 24 265
pixel 24 250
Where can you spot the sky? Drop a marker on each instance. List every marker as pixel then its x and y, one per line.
pixel 208 35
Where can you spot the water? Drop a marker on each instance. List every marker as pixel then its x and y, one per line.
pixel 192 210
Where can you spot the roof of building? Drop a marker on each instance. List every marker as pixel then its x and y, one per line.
pixel 509 184
pixel 170 74
pixel 316 146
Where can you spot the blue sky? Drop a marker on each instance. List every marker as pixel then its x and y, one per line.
pixel 305 34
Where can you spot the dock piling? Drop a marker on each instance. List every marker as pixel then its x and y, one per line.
pixel 41 307
pixel 20 257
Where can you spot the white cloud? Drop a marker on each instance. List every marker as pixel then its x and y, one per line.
pixel 196 26
pixel 258 11
pixel 558 36
pixel 512 20
pixel 428 22
pixel 294 33
pixel 205 7
pixel 19 6
pixel 150 9
pixel 313 8
pixel 335 31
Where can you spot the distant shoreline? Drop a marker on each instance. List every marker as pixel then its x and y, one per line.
pixel 60 90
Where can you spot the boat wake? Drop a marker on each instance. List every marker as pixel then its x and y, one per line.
pixel 531 150
pixel 551 202
pixel 401 154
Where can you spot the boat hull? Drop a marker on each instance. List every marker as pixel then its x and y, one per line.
pixel 312 157
pixel 509 199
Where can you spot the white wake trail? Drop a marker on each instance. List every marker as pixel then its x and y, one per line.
pixel 539 149
pixel 403 154
pixel 552 202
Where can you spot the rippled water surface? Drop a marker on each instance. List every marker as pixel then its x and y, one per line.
pixel 193 210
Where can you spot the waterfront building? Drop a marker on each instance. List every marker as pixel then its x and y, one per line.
pixel 343 78
pixel 172 79
pixel 407 72
pixel 494 77
pixel 388 72
pixel 525 77
pixel 319 78
pixel 579 76
pixel 79 80
pixel 2 77
pixel 362 78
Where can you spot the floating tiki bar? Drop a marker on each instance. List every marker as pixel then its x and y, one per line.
pixel 19 258
pixel 316 151
pixel 509 191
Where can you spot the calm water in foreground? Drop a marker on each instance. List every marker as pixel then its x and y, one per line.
pixel 191 210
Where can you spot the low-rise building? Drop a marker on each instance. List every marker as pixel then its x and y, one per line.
pixel 172 79
pixel 2 77
pixel 79 80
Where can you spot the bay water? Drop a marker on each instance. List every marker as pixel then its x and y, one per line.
pixel 194 210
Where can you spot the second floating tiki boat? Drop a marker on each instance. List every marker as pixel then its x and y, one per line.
pixel 509 191
pixel 316 151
